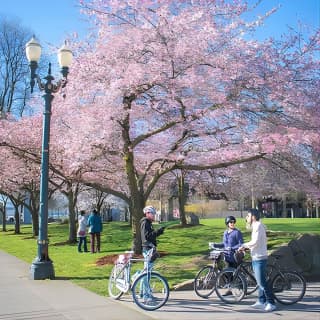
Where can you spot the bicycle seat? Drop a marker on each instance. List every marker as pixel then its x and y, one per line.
pixel 276 256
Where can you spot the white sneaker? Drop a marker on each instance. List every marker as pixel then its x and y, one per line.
pixel 148 299
pixel 270 307
pixel 258 305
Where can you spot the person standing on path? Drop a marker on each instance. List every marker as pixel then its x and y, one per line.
pixel 95 228
pixel 259 255
pixel 149 241
pixel 82 231
pixel 232 240
pixel 148 234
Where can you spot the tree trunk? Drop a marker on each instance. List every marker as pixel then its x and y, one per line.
pixel 16 218
pixel 35 222
pixel 136 209
pixel 72 217
pixel 4 217
pixel 33 206
pixel 182 200
pixel 136 191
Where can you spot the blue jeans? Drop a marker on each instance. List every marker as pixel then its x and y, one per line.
pixel 145 287
pixel 82 240
pixel 264 291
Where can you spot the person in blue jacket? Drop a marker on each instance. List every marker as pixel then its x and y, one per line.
pixel 95 228
pixel 232 241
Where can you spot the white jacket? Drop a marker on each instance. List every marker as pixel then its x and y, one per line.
pixel 258 243
pixel 82 220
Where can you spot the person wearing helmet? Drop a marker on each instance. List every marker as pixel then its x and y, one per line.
pixel 232 241
pixel 149 241
pixel 259 255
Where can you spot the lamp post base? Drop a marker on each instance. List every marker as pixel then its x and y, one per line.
pixel 41 270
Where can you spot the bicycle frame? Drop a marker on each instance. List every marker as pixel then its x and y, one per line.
pixel 124 264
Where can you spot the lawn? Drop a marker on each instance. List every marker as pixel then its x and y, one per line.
pixel 183 249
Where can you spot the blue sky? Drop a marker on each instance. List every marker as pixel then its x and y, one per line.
pixel 52 21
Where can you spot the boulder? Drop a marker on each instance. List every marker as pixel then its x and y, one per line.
pixel 302 255
pixel 192 219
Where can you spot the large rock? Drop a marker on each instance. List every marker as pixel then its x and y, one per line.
pixel 192 219
pixel 302 255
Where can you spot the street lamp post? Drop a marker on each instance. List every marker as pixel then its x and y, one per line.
pixel 42 266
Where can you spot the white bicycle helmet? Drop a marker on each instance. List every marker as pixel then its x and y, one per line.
pixel 149 209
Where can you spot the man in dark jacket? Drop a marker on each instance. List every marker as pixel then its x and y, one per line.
pixel 148 234
pixel 149 242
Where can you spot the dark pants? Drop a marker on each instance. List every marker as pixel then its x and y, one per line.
pixel 82 240
pixel 94 237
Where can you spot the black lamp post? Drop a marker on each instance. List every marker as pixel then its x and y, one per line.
pixel 42 266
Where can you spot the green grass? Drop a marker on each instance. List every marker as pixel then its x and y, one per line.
pixel 184 249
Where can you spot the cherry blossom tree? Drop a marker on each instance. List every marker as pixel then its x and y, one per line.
pixel 163 86
pixel 166 85
pixel 17 181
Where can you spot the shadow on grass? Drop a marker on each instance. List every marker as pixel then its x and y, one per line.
pixel 80 278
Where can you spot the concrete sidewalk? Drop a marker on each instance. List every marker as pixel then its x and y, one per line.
pixel 21 298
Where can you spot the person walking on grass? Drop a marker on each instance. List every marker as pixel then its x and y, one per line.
pixel 82 232
pixel 95 229
pixel 259 254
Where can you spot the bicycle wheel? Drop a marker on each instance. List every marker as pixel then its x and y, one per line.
pixel 288 287
pixel 248 274
pixel 230 288
pixel 150 291
pixel 204 282
pixel 115 286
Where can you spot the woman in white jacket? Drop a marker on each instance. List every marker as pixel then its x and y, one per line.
pixel 82 231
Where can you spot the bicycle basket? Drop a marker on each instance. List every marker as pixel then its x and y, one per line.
pixel 238 257
pixel 215 255
pixel 124 258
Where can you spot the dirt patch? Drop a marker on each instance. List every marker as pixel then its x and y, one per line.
pixel 63 243
pixel 107 260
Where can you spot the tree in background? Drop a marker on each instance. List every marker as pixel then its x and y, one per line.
pixel 14 88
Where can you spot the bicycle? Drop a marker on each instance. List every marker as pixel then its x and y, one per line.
pixel 204 282
pixel 231 284
pixel 288 286
pixel 150 290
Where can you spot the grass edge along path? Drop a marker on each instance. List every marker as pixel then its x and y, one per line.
pixel 183 250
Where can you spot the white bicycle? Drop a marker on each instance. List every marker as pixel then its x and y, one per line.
pixel 150 290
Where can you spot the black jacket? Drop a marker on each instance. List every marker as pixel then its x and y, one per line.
pixel 148 234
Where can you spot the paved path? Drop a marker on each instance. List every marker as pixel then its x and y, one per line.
pixel 21 298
